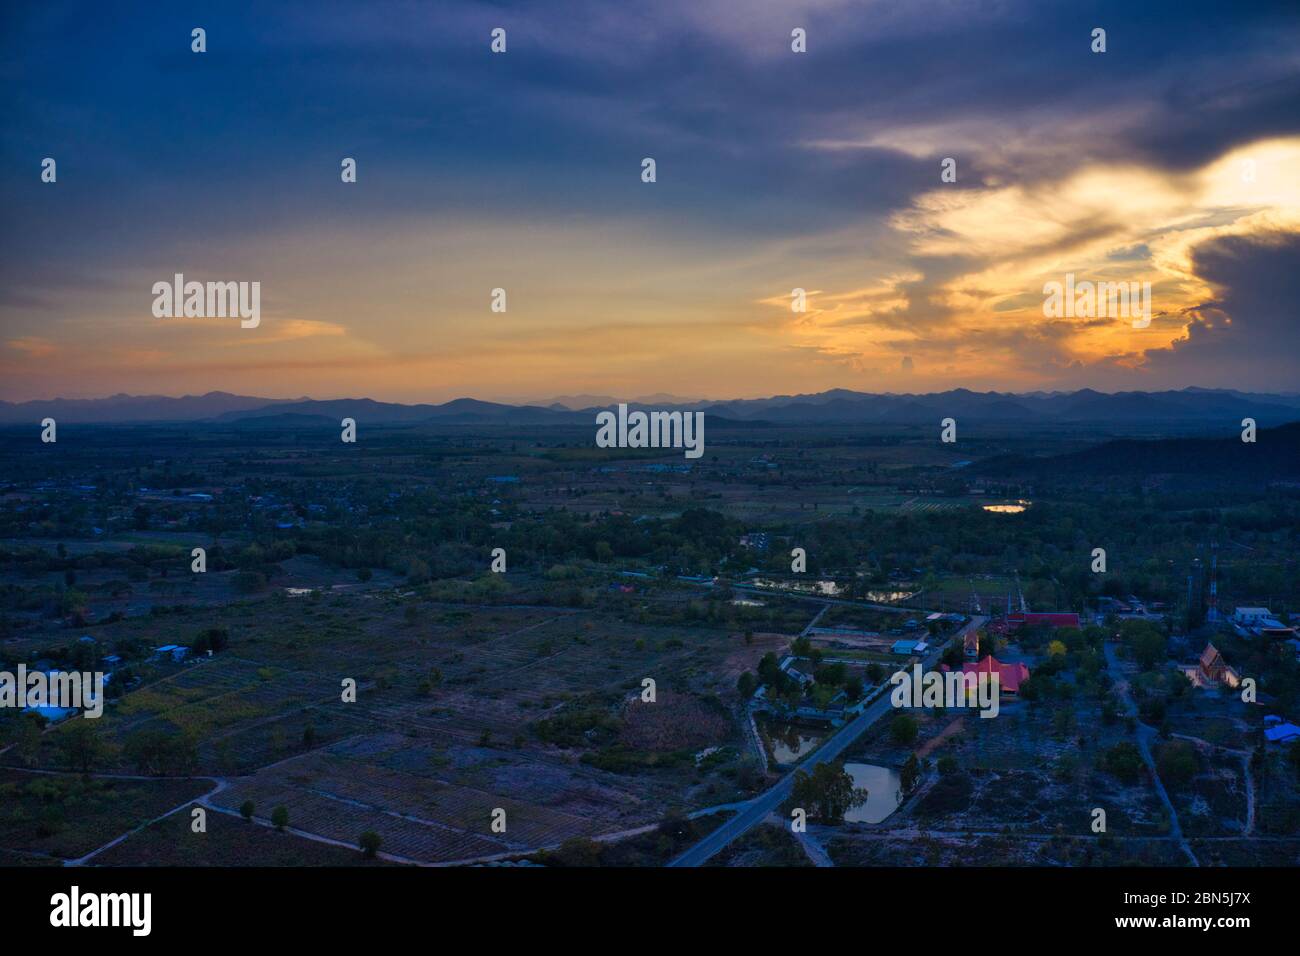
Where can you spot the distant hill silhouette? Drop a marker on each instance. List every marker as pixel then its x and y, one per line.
pixel 1275 454
pixel 1188 408
pixel 136 408
pixel 461 410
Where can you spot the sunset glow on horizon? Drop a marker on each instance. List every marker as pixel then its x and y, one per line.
pixel 819 172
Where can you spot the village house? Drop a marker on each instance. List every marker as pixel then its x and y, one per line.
pixel 1247 616
pixel 1014 620
pixel 909 647
pixel 1279 731
pixel 1260 622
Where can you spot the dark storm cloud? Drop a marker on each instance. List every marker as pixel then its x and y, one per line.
pixel 585 93
pixel 1249 333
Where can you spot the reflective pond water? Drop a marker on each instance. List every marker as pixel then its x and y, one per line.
pixel 791 742
pixel 884 792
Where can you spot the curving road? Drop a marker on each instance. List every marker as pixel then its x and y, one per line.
pixel 769 800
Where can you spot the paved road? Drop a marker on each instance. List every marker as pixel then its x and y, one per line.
pixel 770 800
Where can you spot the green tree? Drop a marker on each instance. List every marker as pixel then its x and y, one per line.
pixel 954 655
pixel 903 730
pixel 24 733
pixel 1122 761
pixel 834 674
pixel 213 639
pixel 769 670
pixel 1144 641
pixel 827 793
pixel 81 745
pixel 910 775
pixel 157 752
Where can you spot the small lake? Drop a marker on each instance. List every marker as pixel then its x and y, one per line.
pixel 1013 509
pixel 790 742
pixel 884 792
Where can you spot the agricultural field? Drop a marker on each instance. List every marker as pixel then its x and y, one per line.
pixel 533 710
pixel 66 816
pixel 227 841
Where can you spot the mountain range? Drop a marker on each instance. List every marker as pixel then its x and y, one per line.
pixel 1189 406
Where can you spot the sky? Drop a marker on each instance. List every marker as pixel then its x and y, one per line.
pixel 1172 158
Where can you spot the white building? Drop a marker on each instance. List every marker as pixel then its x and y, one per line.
pixel 1246 616
pixel 1260 622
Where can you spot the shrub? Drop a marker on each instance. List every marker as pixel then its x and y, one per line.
pixel 903 729
pixel 1123 762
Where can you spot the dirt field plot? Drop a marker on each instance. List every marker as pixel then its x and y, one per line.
pixel 227 842
pixel 338 794
pixel 67 816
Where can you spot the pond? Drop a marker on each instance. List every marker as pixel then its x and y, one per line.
pixel 1013 509
pixel 884 792
pixel 791 742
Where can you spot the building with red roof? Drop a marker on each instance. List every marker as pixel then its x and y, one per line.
pixel 1010 676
